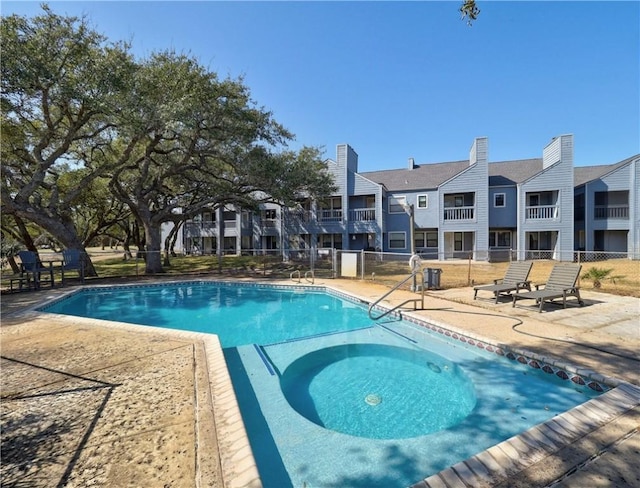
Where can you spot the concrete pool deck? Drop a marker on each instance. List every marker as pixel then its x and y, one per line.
pixel 86 404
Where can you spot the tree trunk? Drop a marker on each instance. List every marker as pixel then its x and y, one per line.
pixel 220 246
pixel 174 237
pixel 25 237
pixel 170 242
pixel 11 260
pixel 153 247
pixel 63 232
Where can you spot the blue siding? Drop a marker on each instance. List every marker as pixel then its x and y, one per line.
pixel 474 179
pixel 555 177
pixel 504 217
pixel 553 213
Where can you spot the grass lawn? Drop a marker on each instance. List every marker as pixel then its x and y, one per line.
pixel 625 274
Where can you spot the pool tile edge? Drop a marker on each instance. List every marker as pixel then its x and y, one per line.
pixel 214 397
pixel 504 460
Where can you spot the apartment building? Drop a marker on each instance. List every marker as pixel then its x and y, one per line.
pixel 531 208
pixel 607 207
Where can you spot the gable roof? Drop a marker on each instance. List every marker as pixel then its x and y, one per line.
pixel 510 173
pixel 421 177
pixel 432 175
pixel 585 174
pixel 505 173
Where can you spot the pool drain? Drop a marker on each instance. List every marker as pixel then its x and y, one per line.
pixel 372 399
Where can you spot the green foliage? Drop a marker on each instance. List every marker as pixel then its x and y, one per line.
pixel 597 275
pixel 469 11
pixel 88 130
pixel 8 248
pixel 61 85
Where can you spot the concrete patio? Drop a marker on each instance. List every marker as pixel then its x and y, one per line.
pixel 88 403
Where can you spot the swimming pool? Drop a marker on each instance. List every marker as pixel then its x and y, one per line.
pixel 291 449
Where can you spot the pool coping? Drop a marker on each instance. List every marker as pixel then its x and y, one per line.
pixel 487 468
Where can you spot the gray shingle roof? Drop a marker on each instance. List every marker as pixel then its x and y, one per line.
pixel 422 177
pixel 513 172
pixel 585 174
pixel 430 176
pixel 506 173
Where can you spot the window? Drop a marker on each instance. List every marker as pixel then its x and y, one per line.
pixel 457 241
pixel 330 241
pixel 500 239
pixel 397 204
pixel 269 214
pixel 426 239
pixel 332 203
pixel 423 201
pixel 499 200
pixel 459 200
pixel 397 240
pixel 229 244
pixel 271 242
pixel 534 199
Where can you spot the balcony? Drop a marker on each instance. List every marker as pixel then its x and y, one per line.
pixel 362 215
pixel 200 229
pixel 542 212
pixel 334 215
pixel 614 212
pixel 298 216
pixel 459 213
pixel 269 226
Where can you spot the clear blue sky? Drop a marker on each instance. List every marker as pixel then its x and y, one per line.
pixel 410 79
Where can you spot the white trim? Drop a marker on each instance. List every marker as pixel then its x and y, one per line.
pixel 399 201
pixel 404 238
pixel 426 201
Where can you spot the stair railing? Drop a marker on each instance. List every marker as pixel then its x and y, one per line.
pixel 414 300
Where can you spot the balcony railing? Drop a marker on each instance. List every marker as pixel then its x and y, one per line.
pixel 362 215
pixel 330 215
pixel 230 224
pixel 611 212
pixel 542 212
pixel 459 213
pixel 200 228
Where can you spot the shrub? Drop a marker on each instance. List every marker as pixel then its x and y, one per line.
pixel 598 274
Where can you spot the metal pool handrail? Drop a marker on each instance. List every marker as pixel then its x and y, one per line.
pixel 306 276
pixel 313 276
pixel 414 300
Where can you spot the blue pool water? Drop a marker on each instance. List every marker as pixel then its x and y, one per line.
pixel 237 314
pixel 330 398
pixel 358 389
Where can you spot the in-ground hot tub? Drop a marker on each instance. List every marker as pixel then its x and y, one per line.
pixel 378 391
